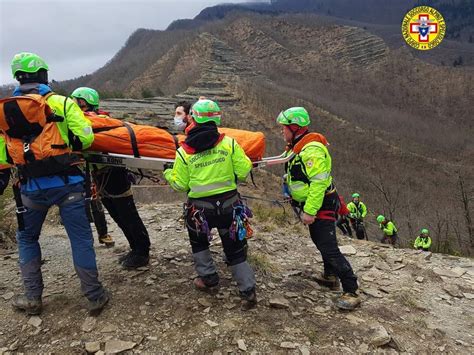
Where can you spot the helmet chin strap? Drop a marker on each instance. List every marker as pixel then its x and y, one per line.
pixel 296 133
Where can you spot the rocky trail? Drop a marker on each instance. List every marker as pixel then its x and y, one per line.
pixel 412 302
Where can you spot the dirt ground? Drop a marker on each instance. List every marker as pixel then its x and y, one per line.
pixel 412 302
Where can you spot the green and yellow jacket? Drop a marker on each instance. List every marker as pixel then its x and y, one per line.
pixel 357 211
pixel 309 172
pixel 210 172
pixel 422 242
pixel 388 228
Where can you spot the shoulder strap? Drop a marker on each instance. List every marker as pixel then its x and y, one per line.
pixel 133 139
pixel 49 94
pixel 182 157
pixel 309 138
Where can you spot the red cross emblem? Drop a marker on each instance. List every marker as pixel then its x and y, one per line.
pixel 424 27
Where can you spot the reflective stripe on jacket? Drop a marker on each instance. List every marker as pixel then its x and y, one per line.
pixel 309 176
pixel 211 172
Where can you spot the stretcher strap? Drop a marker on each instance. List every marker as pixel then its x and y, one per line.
pixel 104 129
pixel 133 139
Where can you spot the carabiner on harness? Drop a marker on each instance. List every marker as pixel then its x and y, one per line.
pixel 198 218
pixel 240 227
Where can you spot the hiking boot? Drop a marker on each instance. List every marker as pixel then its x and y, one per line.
pixel 107 240
pixel 348 301
pixel 331 281
pixel 95 307
pixel 249 300
pixel 134 261
pixel 30 306
pixel 123 257
pixel 204 286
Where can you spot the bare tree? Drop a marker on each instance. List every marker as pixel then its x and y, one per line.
pixel 390 194
pixel 466 197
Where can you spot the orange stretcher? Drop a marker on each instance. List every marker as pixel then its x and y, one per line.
pixel 119 143
pixel 116 136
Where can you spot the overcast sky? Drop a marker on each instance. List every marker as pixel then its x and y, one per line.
pixel 79 37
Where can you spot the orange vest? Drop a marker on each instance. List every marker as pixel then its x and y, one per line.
pixel 310 137
pixel 33 139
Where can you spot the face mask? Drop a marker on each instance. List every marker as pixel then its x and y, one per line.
pixel 179 123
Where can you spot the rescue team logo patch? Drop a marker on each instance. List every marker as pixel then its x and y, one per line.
pixel 423 28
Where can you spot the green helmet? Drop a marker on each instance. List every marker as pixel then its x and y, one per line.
pixel 355 194
pixel 425 231
pixel 294 115
pixel 380 219
pixel 28 63
pixel 206 111
pixel 89 95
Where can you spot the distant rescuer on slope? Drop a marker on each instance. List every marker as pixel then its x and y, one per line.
pixel 115 190
pixel 390 233
pixel 310 184
pixel 43 134
pixel 423 241
pixel 207 167
pixel 358 211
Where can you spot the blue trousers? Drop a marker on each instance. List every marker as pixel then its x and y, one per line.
pixel 70 199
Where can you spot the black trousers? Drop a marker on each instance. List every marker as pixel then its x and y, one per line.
pixel 234 250
pixel 99 217
pixel 359 229
pixel 343 224
pixel 122 209
pixel 323 234
pixel 387 239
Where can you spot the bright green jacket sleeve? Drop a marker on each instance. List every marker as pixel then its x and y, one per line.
pixel 389 229
pixel 364 209
pixel 74 122
pixel 3 150
pixel 178 176
pixel 428 243
pixel 318 171
pixel 242 163
pixel 417 243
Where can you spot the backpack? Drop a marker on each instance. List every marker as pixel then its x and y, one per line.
pixel 34 142
pixel 342 207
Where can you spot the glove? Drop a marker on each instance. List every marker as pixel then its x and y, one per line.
pixel 168 166
pixel 131 178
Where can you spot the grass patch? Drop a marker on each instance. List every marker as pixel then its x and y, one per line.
pixel 312 336
pixel 276 215
pixel 420 322
pixel 261 262
pixel 408 300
